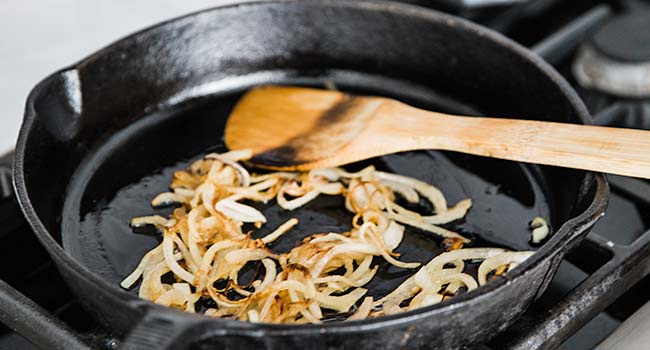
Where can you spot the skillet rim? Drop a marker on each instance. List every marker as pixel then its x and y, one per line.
pixel 563 236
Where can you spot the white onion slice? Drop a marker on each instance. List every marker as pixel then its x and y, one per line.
pixel 329 174
pixel 429 192
pixel 341 303
pixel 540 230
pixel 452 214
pixel 167 198
pixel 362 173
pixel 282 229
pixel 363 311
pixel 152 258
pixel 405 191
pixel 201 275
pixel 440 231
pixel 239 212
pixel 233 156
pixel 242 256
pixel 512 259
pixel 269 275
pixel 393 235
pixel 156 220
pixel 296 202
pixel 168 250
pixel 253 316
pixel 203 243
pixel 152 287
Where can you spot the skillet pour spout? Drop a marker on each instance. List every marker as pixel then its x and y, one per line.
pixel 101 137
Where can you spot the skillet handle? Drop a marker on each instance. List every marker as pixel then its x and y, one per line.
pixel 162 331
pixel 34 323
pixel 18 312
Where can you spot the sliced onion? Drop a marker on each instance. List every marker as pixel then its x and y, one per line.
pixel 253 316
pixel 457 212
pixel 269 275
pixel 362 270
pixel 202 273
pixel 203 243
pixel 329 174
pixel 194 218
pixel 278 175
pixel 362 173
pixel 329 188
pixel 392 309
pixel 156 220
pixel 393 235
pixel 440 231
pixel 363 195
pixel 267 305
pixel 239 212
pixel 331 237
pixel 242 256
pixel 363 311
pixel 208 197
pixel 264 185
pixel 282 229
pixel 152 258
pixel 222 175
pixel 243 175
pixel 433 282
pixel 540 230
pixel 409 287
pixel 385 254
pixel 424 299
pixel 405 191
pixel 345 248
pixel 341 303
pixel 346 282
pixel 152 287
pixel 432 194
pixel 296 202
pixel 315 310
pixel 512 259
pixel 232 156
pixel 168 250
pixel 168 198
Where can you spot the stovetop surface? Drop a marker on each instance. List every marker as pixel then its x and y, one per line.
pixel 553 29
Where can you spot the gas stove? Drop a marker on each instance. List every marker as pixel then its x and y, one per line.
pixel 603 49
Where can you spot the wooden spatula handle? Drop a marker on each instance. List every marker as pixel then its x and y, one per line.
pixel 604 149
pixel 301 128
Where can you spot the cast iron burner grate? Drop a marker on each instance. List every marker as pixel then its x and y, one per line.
pixel 599 285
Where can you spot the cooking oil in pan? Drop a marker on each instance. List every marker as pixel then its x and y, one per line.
pixel 119 179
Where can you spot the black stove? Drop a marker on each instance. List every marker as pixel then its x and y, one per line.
pixel 603 49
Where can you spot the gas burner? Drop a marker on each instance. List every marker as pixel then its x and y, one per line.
pixel 616 60
pixel 623 114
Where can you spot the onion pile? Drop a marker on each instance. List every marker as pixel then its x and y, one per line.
pixel 204 248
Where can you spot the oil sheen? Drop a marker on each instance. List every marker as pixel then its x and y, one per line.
pixel 118 180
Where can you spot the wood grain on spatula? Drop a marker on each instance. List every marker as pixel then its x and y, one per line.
pixel 285 120
pixel 295 128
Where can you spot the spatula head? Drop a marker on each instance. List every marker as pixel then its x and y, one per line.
pixel 287 127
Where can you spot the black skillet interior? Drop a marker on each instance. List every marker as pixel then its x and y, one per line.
pixel 118 180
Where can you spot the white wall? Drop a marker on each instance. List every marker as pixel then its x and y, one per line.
pixel 38 37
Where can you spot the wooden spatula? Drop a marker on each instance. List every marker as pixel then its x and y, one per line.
pixel 295 128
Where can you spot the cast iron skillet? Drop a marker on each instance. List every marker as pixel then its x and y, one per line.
pixel 101 137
